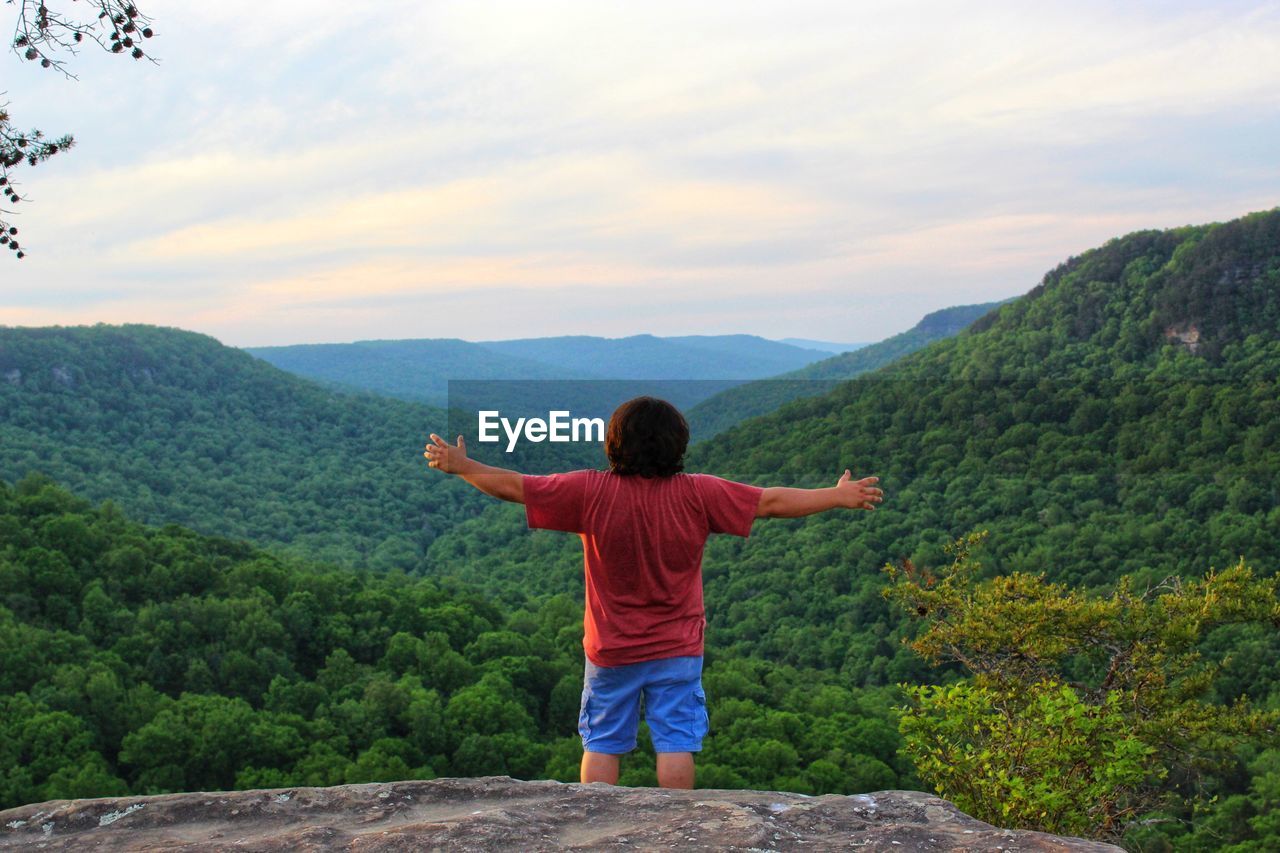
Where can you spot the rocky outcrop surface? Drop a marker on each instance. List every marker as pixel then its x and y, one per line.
pixel 498 813
pixel 1187 335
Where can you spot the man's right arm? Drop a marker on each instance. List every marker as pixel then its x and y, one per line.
pixel 496 482
pixel 783 502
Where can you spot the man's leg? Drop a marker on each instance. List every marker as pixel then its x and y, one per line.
pixel 676 709
pixel 607 720
pixel 675 770
pixel 600 767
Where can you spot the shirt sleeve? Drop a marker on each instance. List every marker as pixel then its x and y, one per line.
pixel 556 501
pixel 730 507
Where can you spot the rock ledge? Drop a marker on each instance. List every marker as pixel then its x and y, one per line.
pixel 499 813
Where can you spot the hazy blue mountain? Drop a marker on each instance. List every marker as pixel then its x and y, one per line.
pixel 749 347
pixel 416 370
pixel 419 370
pixel 734 405
pixel 651 357
pixel 824 346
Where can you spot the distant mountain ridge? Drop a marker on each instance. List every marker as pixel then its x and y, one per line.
pixel 934 326
pixel 415 370
pixel 653 357
pixel 824 346
pixel 748 400
pixel 419 370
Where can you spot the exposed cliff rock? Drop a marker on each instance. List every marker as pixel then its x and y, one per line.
pixel 498 813
pixel 1186 334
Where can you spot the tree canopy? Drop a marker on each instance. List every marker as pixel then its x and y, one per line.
pixel 1078 712
pixel 144 660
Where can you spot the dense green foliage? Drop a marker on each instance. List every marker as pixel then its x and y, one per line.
pixel 136 659
pixel 175 427
pixel 1079 712
pixel 737 404
pixel 1084 500
pixel 421 370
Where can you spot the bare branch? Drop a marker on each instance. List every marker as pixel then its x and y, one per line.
pixel 51 37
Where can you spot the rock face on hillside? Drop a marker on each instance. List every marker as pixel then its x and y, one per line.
pixel 498 813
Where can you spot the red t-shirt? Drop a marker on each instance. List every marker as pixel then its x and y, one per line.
pixel 642 544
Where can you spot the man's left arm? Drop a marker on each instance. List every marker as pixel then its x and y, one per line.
pixel 496 482
pixel 783 502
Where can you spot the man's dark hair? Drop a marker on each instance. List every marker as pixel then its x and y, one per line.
pixel 647 436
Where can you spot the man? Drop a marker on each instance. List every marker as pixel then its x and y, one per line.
pixel 643 525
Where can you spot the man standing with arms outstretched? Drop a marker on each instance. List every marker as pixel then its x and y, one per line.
pixel 643 525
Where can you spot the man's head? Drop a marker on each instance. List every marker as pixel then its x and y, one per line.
pixel 647 436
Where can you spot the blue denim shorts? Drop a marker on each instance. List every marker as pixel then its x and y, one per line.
pixel 674 705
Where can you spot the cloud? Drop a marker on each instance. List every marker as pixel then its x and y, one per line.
pixel 606 207
pixel 760 166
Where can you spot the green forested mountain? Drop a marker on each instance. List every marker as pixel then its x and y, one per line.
pixel 737 404
pixel 145 660
pixel 420 370
pixel 175 427
pixel 934 326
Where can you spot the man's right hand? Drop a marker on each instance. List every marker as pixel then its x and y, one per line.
pixel 444 456
pixel 496 482
pixel 858 494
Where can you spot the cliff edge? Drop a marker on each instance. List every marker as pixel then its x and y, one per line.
pixel 499 813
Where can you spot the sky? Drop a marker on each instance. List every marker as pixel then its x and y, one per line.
pixel 328 171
